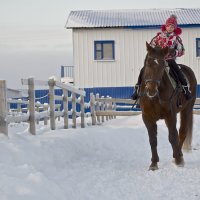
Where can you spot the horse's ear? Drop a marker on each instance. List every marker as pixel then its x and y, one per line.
pixel 165 51
pixel 148 46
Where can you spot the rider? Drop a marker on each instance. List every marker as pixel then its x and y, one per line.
pixel 169 36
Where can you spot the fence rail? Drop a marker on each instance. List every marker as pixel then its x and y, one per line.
pixel 36 111
pixel 113 101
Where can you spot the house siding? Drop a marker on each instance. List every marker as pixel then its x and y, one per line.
pixel 130 52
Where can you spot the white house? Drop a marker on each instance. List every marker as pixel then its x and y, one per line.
pixel 109 45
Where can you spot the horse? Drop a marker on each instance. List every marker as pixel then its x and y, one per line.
pixel 159 100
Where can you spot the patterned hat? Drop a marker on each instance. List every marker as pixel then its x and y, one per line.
pixel 172 20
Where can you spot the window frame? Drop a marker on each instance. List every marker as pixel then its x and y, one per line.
pixel 102 42
pixel 197 47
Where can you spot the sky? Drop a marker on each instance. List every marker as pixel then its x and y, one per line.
pixel 33 38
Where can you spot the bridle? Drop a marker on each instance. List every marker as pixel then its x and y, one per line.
pixel 156 81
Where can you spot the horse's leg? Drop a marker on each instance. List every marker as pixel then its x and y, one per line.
pixel 174 139
pixel 152 131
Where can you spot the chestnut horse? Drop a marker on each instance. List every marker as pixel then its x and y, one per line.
pixel 158 100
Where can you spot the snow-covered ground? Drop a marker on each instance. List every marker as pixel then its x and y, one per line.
pixel 104 162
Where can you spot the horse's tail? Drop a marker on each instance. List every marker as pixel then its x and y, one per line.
pixel 186 117
pixel 187 114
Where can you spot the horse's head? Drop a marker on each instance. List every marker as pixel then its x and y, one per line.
pixel 154 69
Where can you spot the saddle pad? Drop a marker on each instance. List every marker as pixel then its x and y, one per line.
pixel 172 81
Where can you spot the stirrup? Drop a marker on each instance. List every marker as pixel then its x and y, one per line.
pixel 186 89
pixel 187 92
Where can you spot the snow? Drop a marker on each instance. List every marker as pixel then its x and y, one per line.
pixel 108 161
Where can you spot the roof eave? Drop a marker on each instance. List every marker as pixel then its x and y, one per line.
pixel 132 27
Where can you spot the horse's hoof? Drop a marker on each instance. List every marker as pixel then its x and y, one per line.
pixel 153 167
pixel 179 161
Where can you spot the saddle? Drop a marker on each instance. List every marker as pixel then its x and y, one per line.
pixel 173 77
pixel 176 84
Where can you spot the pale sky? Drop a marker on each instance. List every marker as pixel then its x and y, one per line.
pixel 34 42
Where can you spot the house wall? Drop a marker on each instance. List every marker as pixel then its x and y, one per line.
pixel 130 51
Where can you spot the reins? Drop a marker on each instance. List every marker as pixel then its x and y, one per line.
pixel 158 82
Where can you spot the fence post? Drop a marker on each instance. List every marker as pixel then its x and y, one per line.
pixel 58 108
pixel 3 108
pixel 65 105
pixel 92 108
pixel 51 83
pixel 82 112
pixel 31 94
pixel 98 107
pixel 38 110
pixel 46 106
pixel 114 108
pixel 110 107
pixel 106 108
pixel 19 107
pixel 8 107
pixel 73 110
pixel 102 108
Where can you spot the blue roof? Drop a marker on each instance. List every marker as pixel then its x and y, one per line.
pixel 131 18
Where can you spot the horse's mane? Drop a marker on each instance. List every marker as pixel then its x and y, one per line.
pixel 157 52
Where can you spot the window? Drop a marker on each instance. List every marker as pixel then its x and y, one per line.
pixel 104 50
pixel 198 47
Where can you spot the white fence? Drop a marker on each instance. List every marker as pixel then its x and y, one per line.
pixel 110 105
pixel 50 111
pixel 101 108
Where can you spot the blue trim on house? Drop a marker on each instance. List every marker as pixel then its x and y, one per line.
pixel 102 42
pixel 113 48
pixel 159 26
pixel 198 91
pixel 197 47
pixel 95 49
pixel 115 92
